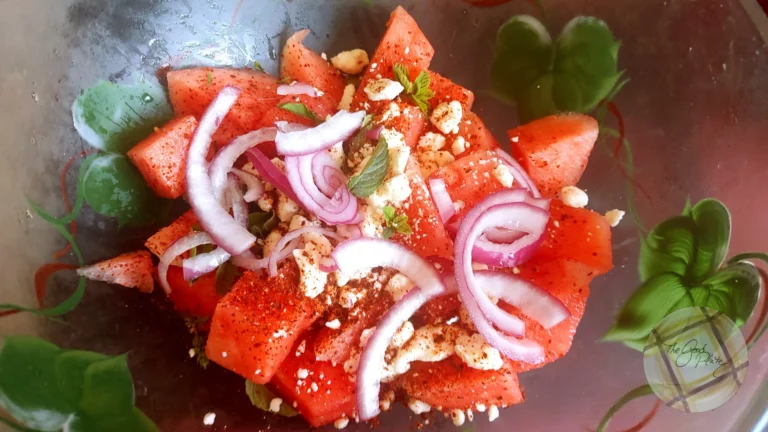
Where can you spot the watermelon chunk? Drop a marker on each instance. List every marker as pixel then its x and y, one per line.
pixel 451 384
pixel 162 157
pixel 554 150
pixel 403 42
pixel 403 117
pixel 192 90
pixel 300 63
pixel 196 298
pixel 335 394
pixel 579 235
pixel 161 240
pixel 132 270
pixel 257 322
pixel 446 91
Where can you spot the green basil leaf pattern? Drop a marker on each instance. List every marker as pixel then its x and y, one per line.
pixel 669 248
pixel 261 397
pixel 734 291
pixel 713 234
pixel 656 298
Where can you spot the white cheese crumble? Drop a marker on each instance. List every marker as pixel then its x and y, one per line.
pixel 423 347
pixel 365 335
pixel 372 224
pixel 477 354
pixel 480 407
pixel 459 145
pixel 431 141
pixel 336 152
pixel 266 202
pixel 574 197
pixel 402 335
pixel 493 413
pixel 341 423
pixel 312 278
pixel 271 241
pixel 398 160
pixel 386 400
pixel 447 116
pixel 394 190
pixel 614 216
pixel 418 407
pixel 350 62
pixel 383 89
pixel 346 97
pixel 335 324
pixel 324 56
pixel 209 419
pixel 398 286
pixel 300 349
pixel 502 174
pixel 393 111
pixel 192 352
pixel 457 416
pixel 393 138
pixel 302 373
pixel 430 161
pixel 459 205
pixel 286 208
pixel 274 404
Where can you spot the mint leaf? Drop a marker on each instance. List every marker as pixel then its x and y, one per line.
pixel 261 397
pixel 401 74
pixel 389 213
pixel 651 302
pixel 574 73
pixel 261 224
pixel 395 223
pixel 210 78
pixel 225 278
pixel 365 184
pixel 360 138
pixel 713 234
pixel 300 109
pixel 257 66
pixel 388 232
pixel 419 90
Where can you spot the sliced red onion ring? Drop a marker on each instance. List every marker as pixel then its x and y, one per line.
pixel 289 237
pixel 213 218
pixel 226 157
pixel 518 173
pixel 502 209
pixel 326 174
pixel 239 207
pixel 341 208
pixel 297 88
pixel 249 262
pixel 327 264
pixel 533 301
pixel 442 199
pixel 284 126
pixel 177 248
pixel 365 253
pixel 336 129
pixel 255 186
pixel 374 132
pixel 271 173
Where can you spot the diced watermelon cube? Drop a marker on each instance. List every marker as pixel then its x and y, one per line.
pixel 300 63
pixel 198 298
pixel 161 240
pixel 132 270
pixel 447 91
pixel 410 121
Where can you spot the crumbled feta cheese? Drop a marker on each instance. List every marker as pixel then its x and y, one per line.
pixel 312 279
pixel 361 166
pixel 394 190
pixel 479 266
pixel 271 241
pixel 302 373
pixel 398 286
pixel 336 152
pixel 574 197
pixel 493 413
pixel 431 141
pixel 502 174
pixel 447 116
pixel 274 404
pixel 457 416
pixel 279 163
pixel 346 97
pixel 300 349
pixel 341 423
pixel 459 145
pixel 286 208
pixel 430 343
pixel 393 111
pixel 209 419
pixel 372 224
pixel 477 354
pixel 324 56
pixel 480 407
pixel 458 205
pixel 224 354
pixel 335 324
pixel 398 159
pixel 418 407
pixel 192 352
pixel 443 158
pixel 614 216
pixel 393 138
pixel 452 320
pixel 280 334
pixel 385 403
pixel 465 318
pixel 402 335
pixel 407 50
pixel 365 335
pixel 313 386
pixel 470 414
pixel 266 202
pixel 515 139
pixel 350 62
pixel 516 270
pixel 351 364
pixel 383 89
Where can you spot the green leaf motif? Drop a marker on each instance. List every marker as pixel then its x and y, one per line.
pixel 418 90
pixel 713 234
pixel 46 388
pixel 652 301
pixel 372 176
pixel 114 187
pixel 261 397
pixel 573 73
pixel 733 290
pixel 261 224
pixel 114 117
pixel 300 109
pixel 669 248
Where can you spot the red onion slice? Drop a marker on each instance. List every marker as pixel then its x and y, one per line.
pixel 255 186
pixel 328 265
pixel 239 207
pixel 518 173
pixel 177 248
pixel 224 160
pixel 442 199
pixel 213 218
pixel 297 88
pixel 336 129
pixel 289 237
pixel 341 208
pixel 352 256
pixel 271 173
pixel 374 132
pixel 249 262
